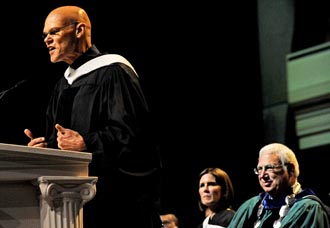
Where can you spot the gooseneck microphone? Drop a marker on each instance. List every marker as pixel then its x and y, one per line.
pixel 18 84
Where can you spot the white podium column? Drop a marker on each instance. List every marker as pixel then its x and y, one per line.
pixel 62 200
pixel 43 187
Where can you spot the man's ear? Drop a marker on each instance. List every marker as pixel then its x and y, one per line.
pixel 79 29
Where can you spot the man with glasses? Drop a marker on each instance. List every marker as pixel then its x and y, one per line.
pixel 283 202
pixel 169 220
pixel 99 107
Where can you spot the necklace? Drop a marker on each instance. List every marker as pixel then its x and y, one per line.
pixel 259 213
pixel 289 201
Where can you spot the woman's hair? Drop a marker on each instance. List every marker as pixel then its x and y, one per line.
pixel 227 190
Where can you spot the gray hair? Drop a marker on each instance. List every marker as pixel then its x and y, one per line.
pixel 285 154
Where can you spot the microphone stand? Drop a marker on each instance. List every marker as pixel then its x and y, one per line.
pixel 4 92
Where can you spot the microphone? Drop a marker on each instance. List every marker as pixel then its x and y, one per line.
pixel 4 92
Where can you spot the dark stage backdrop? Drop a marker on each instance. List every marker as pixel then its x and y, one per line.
pixel 198 65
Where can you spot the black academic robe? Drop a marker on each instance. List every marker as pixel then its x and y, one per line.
pixel 221 219
pixel 108 108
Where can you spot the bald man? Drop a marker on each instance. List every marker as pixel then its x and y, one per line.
pixel 99 107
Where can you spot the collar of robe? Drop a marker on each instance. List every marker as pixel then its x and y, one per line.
pixel 72 74
pixel 283 203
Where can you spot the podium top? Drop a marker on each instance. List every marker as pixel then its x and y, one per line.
pixel 13 151
pixel 18 162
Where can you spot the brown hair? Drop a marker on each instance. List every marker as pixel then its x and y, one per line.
pixel 227 190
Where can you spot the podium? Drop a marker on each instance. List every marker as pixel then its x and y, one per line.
pixel 43 188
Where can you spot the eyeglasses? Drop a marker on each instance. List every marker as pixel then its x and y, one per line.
pixel 165 223
pixel 55 31
pixel 267 168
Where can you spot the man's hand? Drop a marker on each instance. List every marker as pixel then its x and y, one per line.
pixel 68 139
pixel 35 142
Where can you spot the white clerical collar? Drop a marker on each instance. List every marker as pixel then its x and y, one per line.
pixel 72 74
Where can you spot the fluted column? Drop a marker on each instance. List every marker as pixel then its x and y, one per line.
pixel 62 199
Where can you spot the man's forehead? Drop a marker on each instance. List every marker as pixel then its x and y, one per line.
pixel 268 157
pixel 53 21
